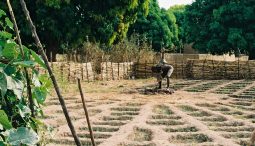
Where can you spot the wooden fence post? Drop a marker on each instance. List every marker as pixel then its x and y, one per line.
pixel 69 71
pixel 145 67
pixel 225 74
pixel 249 70
pixel 238 67
pixel 118 70
pixel 106 70
pixel 112 71
pixel 182 67
pixel 123 66
pixel 62 71
pixel 87 72
pixel 213 70
pixel 82 70
pixel 203 69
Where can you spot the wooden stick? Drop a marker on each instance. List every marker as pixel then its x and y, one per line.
pixel 29 91
pixel 54 81
pixel 86 113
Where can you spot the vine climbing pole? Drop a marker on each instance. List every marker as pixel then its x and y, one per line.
pixel 29 91
pixel 54 81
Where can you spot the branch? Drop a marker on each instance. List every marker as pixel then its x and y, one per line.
pixel 44 57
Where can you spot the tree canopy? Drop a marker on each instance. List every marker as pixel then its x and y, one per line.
pixel 179 13
pixel 66 23
pixel 158 26
pixel 222 26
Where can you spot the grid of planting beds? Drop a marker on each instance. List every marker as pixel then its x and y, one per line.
pixel 231 88
pixel 205 87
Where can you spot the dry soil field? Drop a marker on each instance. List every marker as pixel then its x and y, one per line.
pixel 218 112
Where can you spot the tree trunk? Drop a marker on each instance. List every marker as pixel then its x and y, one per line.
pixel 51 51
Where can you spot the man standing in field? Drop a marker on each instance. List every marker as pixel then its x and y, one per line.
pixel 163 70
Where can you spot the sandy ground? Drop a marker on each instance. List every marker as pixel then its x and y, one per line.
pixel 198 113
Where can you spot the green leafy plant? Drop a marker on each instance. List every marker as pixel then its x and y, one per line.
pixel 17 125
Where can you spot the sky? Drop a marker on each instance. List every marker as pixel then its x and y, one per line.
pixel 167 3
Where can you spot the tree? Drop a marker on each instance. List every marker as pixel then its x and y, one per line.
pixel 158 26
pixel 179 13
pixel 65 24
pixel 222 26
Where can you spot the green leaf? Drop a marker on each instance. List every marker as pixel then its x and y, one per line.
pixel 35 80
pixel 2 13
pixel 9 23
pixel 10 70
pixel 2 143
pixel 15 85
pixel 40 93
pixel 4 120
pixel 22 135
pixel 25 63
pixel 38 59
pixel 5 35
pixel 10 50
pixel 24 110
pixel 3 84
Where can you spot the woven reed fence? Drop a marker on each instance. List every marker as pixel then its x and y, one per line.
pixel 202 69
pixel 116 71
pixel 143 70
pixel 191 69
pixel 209 69
pixel 70 71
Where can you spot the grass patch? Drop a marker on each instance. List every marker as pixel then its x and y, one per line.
pixel 165 117
pixel 124 113
pixel 233 113
pixel 124 144
pixel 96 135
pixel 133 109
pixel 71 142
pixel 228 124
pixel 102 129
pixel 237 135
pixel 162 109
pixel 250 116
pixel 242 103
pixel 191 138
pixel 165 122
pixel 120 118
pixel 112 123
pixel 200 114
pixel 185 129
pixel 221 109
pixel 215 119
pixel 187 108
pixel 205 105
pixel 140 135
pixel 235 129
pixel 132 104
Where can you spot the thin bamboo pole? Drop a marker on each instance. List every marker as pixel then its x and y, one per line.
pixel 86 113
pixel 54 81
pixel 29 91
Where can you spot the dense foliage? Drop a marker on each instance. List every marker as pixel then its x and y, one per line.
pixel 159 27
pixel 179 13
pixel 65 24
pixel 17 125
pixel 222 26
